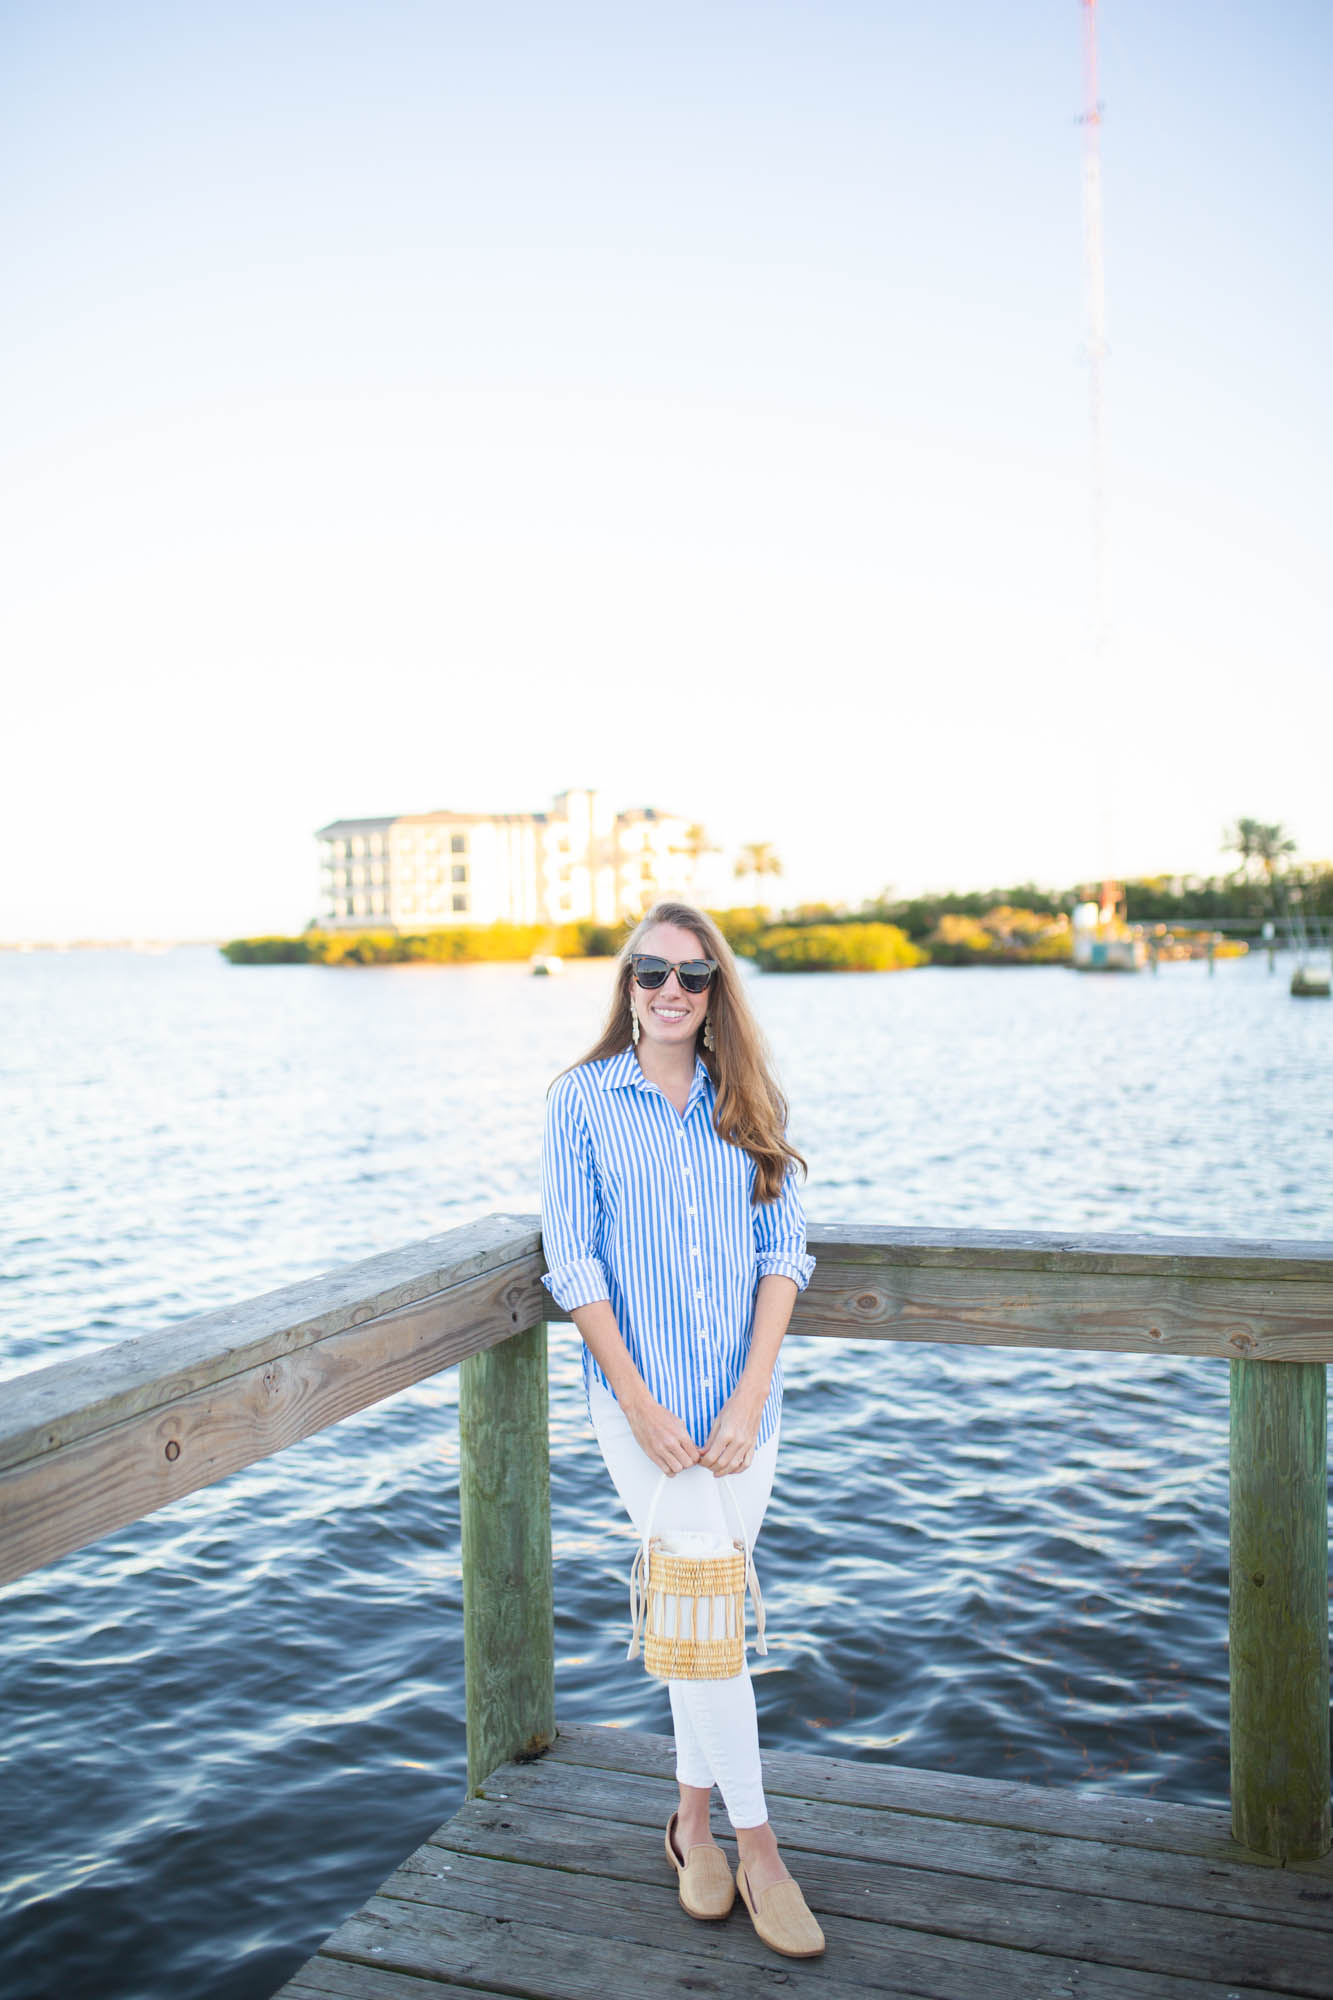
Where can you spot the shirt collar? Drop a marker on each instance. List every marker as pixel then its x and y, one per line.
pixel 622 1072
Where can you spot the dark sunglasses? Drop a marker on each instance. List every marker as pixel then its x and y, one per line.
pixel 694 974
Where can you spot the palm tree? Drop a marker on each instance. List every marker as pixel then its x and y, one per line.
pixel 757 859
pixel 1255 840
pixel 694 843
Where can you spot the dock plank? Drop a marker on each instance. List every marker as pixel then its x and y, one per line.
pixel 1081 1812
pixel 917 1841
pixel 553 1886
pixel 614 1951
pixel 847 1873
pixel 341 1979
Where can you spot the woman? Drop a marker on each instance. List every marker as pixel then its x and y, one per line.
pixel 675 1239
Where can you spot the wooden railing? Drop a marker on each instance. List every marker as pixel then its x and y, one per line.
pixel 89 1445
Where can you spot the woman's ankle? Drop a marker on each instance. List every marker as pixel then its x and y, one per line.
pixel 692 1816
pixel 757 1847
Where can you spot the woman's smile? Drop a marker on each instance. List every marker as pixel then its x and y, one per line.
pixel 669 1016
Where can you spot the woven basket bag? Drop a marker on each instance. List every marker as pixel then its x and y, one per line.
pixel 687 1600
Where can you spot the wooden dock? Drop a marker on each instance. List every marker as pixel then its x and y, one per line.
pixel 552 1882
pixel 553 1885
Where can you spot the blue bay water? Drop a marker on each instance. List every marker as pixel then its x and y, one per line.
pixel 224 1726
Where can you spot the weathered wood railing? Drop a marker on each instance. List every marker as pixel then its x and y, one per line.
pixel 88 1446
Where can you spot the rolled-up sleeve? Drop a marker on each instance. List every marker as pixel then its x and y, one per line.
pixel 779 1236
pixel 575 1275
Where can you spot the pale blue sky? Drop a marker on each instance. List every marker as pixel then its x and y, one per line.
pixel 423 405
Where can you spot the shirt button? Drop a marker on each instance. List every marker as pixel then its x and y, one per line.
pixel 694 1249
pixel 703 1333
pixel 698 1295
pixel 685 1170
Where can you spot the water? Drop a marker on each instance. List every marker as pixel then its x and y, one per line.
pixel 224 1726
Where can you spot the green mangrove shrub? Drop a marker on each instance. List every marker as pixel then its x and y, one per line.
pixel 836 948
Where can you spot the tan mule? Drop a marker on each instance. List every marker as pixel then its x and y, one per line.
pixel 782 1918
pixel 707 1890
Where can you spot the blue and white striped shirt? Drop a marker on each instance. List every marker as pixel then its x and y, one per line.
pixel 651 1209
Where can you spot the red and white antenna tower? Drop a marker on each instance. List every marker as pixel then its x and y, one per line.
pixel 1095 305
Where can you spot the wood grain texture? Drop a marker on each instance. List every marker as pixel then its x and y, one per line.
pixel 848 1870
pixel 505 1505
pixel 1127 1294
pixel 1076 1812
pixel 1056 1251
pixel 1279 1610
pixel 54 1406
pixel 604 1946
pixel 70 1494
pixel 1073 1309
pixel 554 1884
pixel 1230 1886
pixel 87 1446
pixel 337 1979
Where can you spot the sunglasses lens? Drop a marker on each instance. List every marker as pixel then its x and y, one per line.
pixel 694 977
pixel 651 972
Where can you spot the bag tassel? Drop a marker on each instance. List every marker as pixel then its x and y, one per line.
pixel 640 1588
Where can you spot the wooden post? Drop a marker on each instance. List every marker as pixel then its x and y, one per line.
pixel 1279 1608
pixel 505 1504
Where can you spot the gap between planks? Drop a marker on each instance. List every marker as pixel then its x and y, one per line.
pixel 1082 1813
pixel 916 1842
pixel 892 1858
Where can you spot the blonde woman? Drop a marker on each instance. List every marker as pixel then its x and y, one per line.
pixel 675 1239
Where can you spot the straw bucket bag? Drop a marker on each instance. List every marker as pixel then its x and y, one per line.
pixel 687 1600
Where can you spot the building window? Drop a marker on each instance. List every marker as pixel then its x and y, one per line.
pixel 458 843
pixel 459 871
pixel 460 902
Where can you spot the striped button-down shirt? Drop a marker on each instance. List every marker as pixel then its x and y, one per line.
pixel 651 1209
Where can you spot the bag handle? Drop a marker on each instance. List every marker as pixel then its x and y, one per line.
pixel 638 1575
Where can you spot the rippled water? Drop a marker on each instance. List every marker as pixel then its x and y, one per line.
pixel 223 1727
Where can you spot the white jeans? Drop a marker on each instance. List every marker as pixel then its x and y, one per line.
pixel 717 1730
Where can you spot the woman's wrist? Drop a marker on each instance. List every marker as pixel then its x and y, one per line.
pixel 752 1389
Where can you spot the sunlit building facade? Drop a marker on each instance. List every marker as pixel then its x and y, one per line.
pixel 579 862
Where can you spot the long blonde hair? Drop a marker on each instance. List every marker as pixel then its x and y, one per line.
pixel 751 1111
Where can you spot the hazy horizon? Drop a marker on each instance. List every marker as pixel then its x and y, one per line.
pixel 420 407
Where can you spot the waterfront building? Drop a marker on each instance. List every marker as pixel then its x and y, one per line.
pixel 580 862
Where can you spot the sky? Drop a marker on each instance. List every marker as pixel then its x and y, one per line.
pixel 420 406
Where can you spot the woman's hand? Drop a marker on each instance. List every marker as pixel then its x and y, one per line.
pixel 661 1433
pixel 730 1446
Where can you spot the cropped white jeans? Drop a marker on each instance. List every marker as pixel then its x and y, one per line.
pixel 717 1730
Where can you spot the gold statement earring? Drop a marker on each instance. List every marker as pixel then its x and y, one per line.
pixel 709 1043
pixel 633 1024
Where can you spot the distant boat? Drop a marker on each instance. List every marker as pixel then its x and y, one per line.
pixel 545 963
pixel 1103 941
pixel 1311 982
